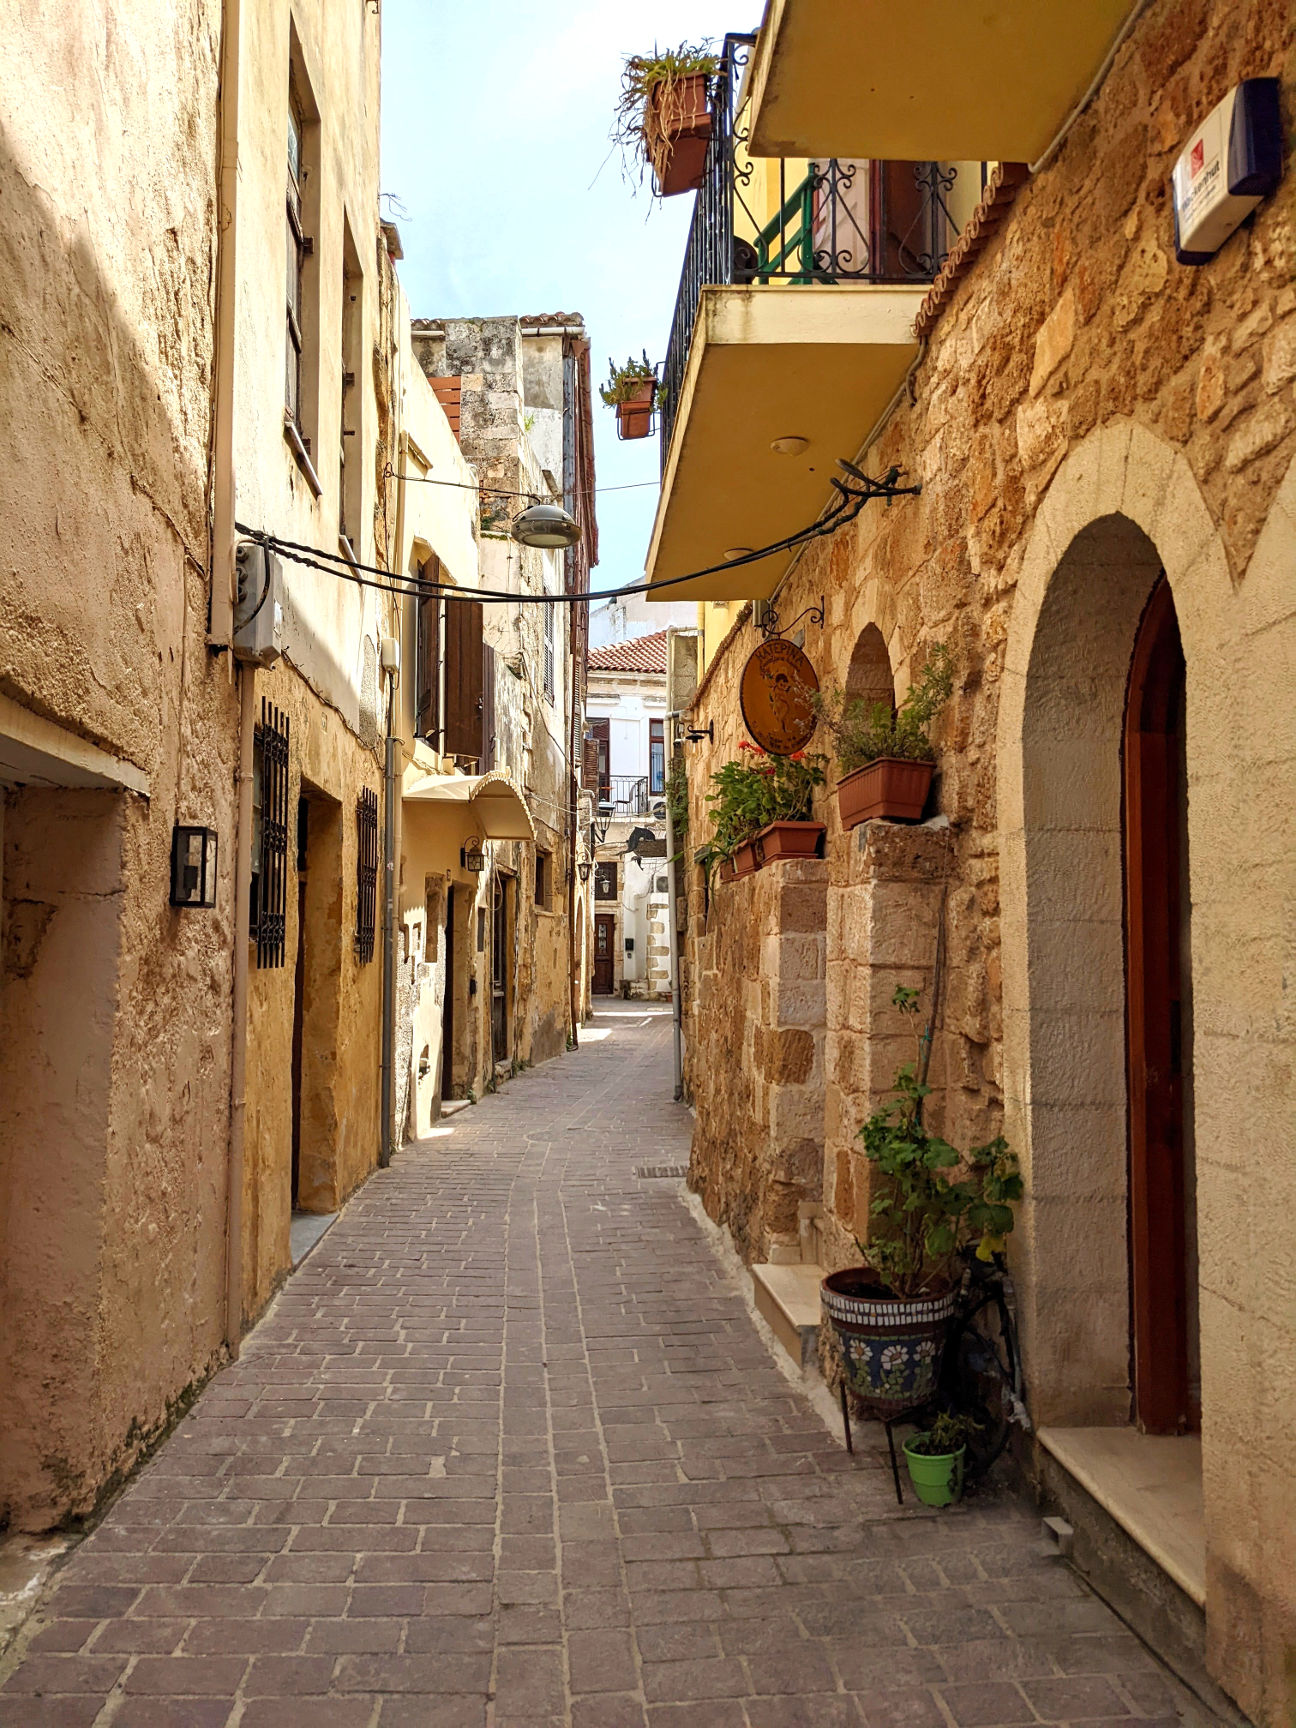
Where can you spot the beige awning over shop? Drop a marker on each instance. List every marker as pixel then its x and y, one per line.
pixel 493 801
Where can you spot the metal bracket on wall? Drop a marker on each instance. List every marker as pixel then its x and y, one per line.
pixel 768 620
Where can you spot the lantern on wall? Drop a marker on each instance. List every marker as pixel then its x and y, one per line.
pixel 472 857
pixel 193 866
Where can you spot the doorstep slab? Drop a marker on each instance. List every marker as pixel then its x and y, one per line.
pixel 1151 1484
pixel 787 1299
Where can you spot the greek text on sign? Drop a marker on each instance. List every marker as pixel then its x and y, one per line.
pixel 778 684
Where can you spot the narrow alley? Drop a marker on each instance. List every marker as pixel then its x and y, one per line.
pixel 509 1450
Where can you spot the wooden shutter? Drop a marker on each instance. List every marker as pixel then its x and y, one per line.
pixel 427 712
pixel 464 677
pixel 487 760
pixel 589 762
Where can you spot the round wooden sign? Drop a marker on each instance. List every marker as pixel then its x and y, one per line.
pixel 778 682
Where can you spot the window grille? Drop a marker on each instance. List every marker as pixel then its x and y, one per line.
pixel 366 873
pixel 549 651
pixel 270 835
pixel 656 756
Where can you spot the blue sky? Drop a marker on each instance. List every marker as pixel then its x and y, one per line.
pixel 495 140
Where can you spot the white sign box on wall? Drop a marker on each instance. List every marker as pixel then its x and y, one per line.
pixel 1232 161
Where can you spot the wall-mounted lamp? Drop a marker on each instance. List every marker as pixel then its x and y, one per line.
pixel 472 857
pixel 599 829
pixel 583 869
pixel 695 734
pixel 193 866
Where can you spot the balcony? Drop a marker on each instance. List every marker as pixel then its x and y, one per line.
pixel 939 79
pixel 793 329
pixel 622 796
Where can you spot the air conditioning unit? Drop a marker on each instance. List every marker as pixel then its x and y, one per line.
pixel 259 609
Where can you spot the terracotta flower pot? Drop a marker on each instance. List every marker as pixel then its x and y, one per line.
pixel 789 840
pixel 682 131
pixel 890 787
pixel 744 860
pixel 726 870
pixel 635 416
pixel 891 1346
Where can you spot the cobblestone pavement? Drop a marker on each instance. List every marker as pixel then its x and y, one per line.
pixel 509 1451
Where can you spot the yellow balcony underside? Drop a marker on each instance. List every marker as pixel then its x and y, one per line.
pixel 942 80
pixel 819 363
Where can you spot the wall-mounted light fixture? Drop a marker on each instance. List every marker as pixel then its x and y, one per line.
pixel 695 734
pixel 472 857
pixel 584 867
pixel 193 866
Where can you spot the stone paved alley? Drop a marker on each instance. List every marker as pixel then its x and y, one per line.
pixel 509 1450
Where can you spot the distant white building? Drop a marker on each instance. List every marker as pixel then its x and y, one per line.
pixel 634 615
pixel 625 710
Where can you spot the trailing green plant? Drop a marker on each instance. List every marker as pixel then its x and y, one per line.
pixel 749 796
pixel 625 382
pixel 865 731
pixel 934 1202
pixel 948 1434
pixel 648 102
pixel 677 807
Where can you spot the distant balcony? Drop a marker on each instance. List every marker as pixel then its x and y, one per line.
pixel 621 796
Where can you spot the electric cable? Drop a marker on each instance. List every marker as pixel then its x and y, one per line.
pixel 847 506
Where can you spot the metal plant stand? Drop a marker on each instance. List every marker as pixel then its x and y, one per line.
pixel 888 1422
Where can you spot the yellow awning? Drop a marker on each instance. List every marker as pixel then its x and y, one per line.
pixel 496 804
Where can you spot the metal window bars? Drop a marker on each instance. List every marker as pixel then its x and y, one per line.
pixel 366 873
pixel 838 221
pixel 270 889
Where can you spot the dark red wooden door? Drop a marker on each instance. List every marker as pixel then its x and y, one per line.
pixel 1158 1007
pixel 604 941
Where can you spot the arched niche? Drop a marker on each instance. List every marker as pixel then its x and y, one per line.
pixel 869 678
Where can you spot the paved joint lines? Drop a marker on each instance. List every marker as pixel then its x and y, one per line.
pixel 509 1452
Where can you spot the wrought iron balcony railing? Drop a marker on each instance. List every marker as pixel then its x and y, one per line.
pixel 621 795
pixel 834 221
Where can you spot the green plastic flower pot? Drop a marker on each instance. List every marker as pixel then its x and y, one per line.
pixel 938 1481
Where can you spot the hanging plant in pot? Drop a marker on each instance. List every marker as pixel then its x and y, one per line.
pixel 885 756
pixel 931 1204
pixel 663 115
pixel 634 392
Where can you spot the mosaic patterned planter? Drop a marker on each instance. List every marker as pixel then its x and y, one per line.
pixel 891 1347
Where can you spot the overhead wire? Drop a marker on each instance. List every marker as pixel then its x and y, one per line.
pixel 845 508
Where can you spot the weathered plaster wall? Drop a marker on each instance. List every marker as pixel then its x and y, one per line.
pixel 1078 375
pixel 114 1007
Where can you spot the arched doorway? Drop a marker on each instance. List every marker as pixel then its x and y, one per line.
pixel 1165 1357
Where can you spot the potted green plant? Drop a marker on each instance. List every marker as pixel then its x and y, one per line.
pixel 790 830
pixel 634 392
pixel 931 1204
pixel 936 1456
pixel 663 115
pixel 885 756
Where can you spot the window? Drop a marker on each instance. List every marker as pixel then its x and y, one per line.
pixel 601 731
pixel 605 881
pixel 427 686
pixel 269 896
pixel 297 249
pixel 549 651
pixel 455 687
pixel 542 878
pixel 657 756
pixel 366 873
pixel 350 472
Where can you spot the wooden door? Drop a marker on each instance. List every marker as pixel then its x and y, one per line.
pixel 604 953
pixel 448 1001
pixel 1162 1227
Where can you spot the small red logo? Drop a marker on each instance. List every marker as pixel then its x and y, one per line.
pixel 1197 161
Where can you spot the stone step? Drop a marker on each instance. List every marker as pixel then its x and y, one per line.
pixel 787 1298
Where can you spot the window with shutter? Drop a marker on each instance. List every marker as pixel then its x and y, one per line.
pixel 427 703
pixel 487 760
pixel 601 731
pixel 549 651
pixel 656 756
pixel 464 677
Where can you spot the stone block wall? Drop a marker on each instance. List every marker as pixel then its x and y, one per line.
pixel 759 982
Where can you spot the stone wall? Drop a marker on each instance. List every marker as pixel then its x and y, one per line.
pixel 1088 412
pixel 756 1053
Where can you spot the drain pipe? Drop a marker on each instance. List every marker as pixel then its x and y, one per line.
pixel 672 888
pixel 391 784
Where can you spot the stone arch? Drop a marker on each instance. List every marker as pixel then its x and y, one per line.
pixel 1121 508
pixel 869 677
